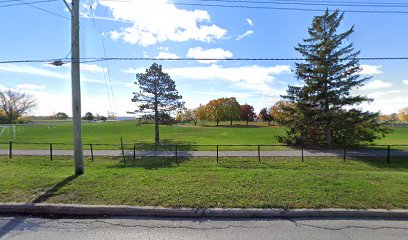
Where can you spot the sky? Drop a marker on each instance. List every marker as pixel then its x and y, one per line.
pixel 166 28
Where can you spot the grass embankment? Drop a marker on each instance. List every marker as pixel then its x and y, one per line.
pixel 201 182
pixel 111 132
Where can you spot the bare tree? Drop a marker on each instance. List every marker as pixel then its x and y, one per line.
pixel 15 104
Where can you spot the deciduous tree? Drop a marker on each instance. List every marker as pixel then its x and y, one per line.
pixel 14 104
pixel 61 115
pixel 403 114
pixel 247 113
pixel 88 116
pixel 265 115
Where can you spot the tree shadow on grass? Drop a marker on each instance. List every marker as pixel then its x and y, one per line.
pixel 168 154
pixel 152 163
pixel 234 126
pixel 395 163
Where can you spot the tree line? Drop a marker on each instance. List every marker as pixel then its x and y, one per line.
pixel 226 109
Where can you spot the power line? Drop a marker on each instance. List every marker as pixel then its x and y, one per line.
pixel 88 60
pixel 286 8
pixel 107 68
pixel 20 3
pixel 242 6
pixel 314 3
pixel 43 9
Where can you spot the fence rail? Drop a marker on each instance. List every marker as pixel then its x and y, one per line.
pixel 176 149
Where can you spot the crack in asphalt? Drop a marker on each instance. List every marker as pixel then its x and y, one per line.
pixel 298 224
pixel 161 226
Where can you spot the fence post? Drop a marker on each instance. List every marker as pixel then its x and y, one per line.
pixel 217 153
pixel 10 149
pixel 123 151
pixel 92 157
pixel 344 153
pixel 177 157
pixel 51 151
pixel 259 153
pixel 388 153
pixel 134 152
pixel 302 154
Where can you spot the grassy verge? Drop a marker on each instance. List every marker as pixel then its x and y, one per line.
pixel 201 182
pixel 111 132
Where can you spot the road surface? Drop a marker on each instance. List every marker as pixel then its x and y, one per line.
pixel 197 229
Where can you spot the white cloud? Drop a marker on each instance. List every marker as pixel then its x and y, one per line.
pixel 255 78
pixel 167 55
pixel 386 102
pixel 92 68
pixel 58 74
pixel 156 21
pixel 250 22
pixel 30 86
pixel 370 69
pixel 376 84
pixel 405 82
pixel 246 34
pixel 198 52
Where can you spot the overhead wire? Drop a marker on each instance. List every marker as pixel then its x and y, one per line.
pixel 257 7
pixel 43 9
pixel 108 73
pixel 20 3
pixel 90 59
pixel 315 3
pixel 106 64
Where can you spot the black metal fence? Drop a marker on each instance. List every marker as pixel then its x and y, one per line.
pixel 179 150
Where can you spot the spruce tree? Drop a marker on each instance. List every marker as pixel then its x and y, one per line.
pixel 319 114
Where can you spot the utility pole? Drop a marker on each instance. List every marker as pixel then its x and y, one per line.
pixel 76 89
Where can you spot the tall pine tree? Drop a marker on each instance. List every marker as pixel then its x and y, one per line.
pixel 157 93
pixel 319 114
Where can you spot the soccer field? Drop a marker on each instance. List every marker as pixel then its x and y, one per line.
pixel 111 132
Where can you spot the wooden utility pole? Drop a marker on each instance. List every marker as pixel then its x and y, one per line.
pixel 76 89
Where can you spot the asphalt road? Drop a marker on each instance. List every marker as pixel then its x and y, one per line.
pixel 148 228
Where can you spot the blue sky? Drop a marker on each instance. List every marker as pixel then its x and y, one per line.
pixel 158 28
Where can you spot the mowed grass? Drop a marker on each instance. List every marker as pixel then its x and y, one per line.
pixel 111 132
pixel 201 182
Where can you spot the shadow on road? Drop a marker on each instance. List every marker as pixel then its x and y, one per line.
pixel 16 221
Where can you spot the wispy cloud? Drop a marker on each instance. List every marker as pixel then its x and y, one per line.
pixel 250 22
pixel 58 73
pixel 30 86
pixel 246 34
pixel 255 78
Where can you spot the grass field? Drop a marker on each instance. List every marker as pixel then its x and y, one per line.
pixel 111 132
pixel 234 182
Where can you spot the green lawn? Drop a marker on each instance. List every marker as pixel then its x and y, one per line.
pixel 110 132
pixel 201 182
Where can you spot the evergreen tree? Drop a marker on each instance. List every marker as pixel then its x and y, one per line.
pixel 330 71
pixel 157 93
